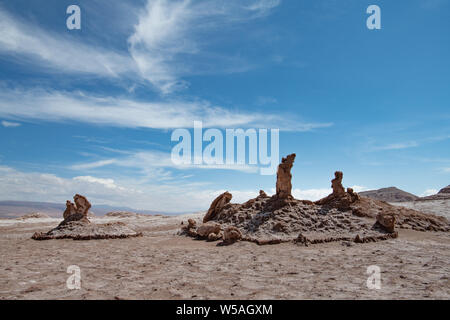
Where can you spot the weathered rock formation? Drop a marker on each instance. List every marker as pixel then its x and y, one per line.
pixel 336 184
pixel 284 177
pixel 77 211
pixel 70 210
pixel 341 216
pixel 217 205
pixel 339 198
pixel 231 235
pixel 207 228
pixel 77 226
pixel 386 221
pixel 82 204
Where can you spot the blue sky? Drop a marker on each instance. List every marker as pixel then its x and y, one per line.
pixel 91 111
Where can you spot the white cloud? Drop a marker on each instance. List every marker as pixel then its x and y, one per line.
pixel 165 33
pixel 170 38
pixel 57 106
pixel 397 146
pixel 60 53
pixel 429 192
pixel 316 194
pixel 179 197
pixel 108 183
pixel 148 161
pixel 311 194
pixel 149 194
pixel 8 124
pixel 446 170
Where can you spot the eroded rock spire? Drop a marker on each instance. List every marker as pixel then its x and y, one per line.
pixel 284 177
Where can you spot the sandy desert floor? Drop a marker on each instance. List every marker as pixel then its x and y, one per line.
pixel 163 265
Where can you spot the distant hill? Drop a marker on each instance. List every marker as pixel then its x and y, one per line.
pixel 391 194
pixel 15 209
pixel 443 194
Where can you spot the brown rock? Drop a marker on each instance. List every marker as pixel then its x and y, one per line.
pixel 190 229
pixel 215 236
pixel 353 195
pixel 386 221
pixel 339 198
pixel 231 235
pixel 82 204
pixel 336 184
pixel 207 228
pixel 284 177
pixel 217 205
pixel 191 223
pixel 70 209
pixel 280 227
pixel 262 194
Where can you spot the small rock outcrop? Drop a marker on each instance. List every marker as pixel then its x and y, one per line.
pixel 79 210
pixel 77 226
pixel 217 205
pixel 231 235
pixel 386 221
pixel 284 177
pixel 339 199
pixel 207 228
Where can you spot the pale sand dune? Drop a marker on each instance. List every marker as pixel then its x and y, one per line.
pixel 162 265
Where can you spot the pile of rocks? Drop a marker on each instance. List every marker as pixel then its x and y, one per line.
pixel 341 216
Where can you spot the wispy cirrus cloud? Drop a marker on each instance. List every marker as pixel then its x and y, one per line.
pixel 58 106
pixel 164 46
pixel 397 146
pixel 166 43
pixel 36 45
pixel 410 144
pixel 147 161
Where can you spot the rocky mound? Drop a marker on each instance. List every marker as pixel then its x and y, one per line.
pixel 77 226
pixel 79 230
pixel 341 216
pixel 34 215
pixel 391 194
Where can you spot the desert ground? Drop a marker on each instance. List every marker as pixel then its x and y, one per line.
pixel 164 265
